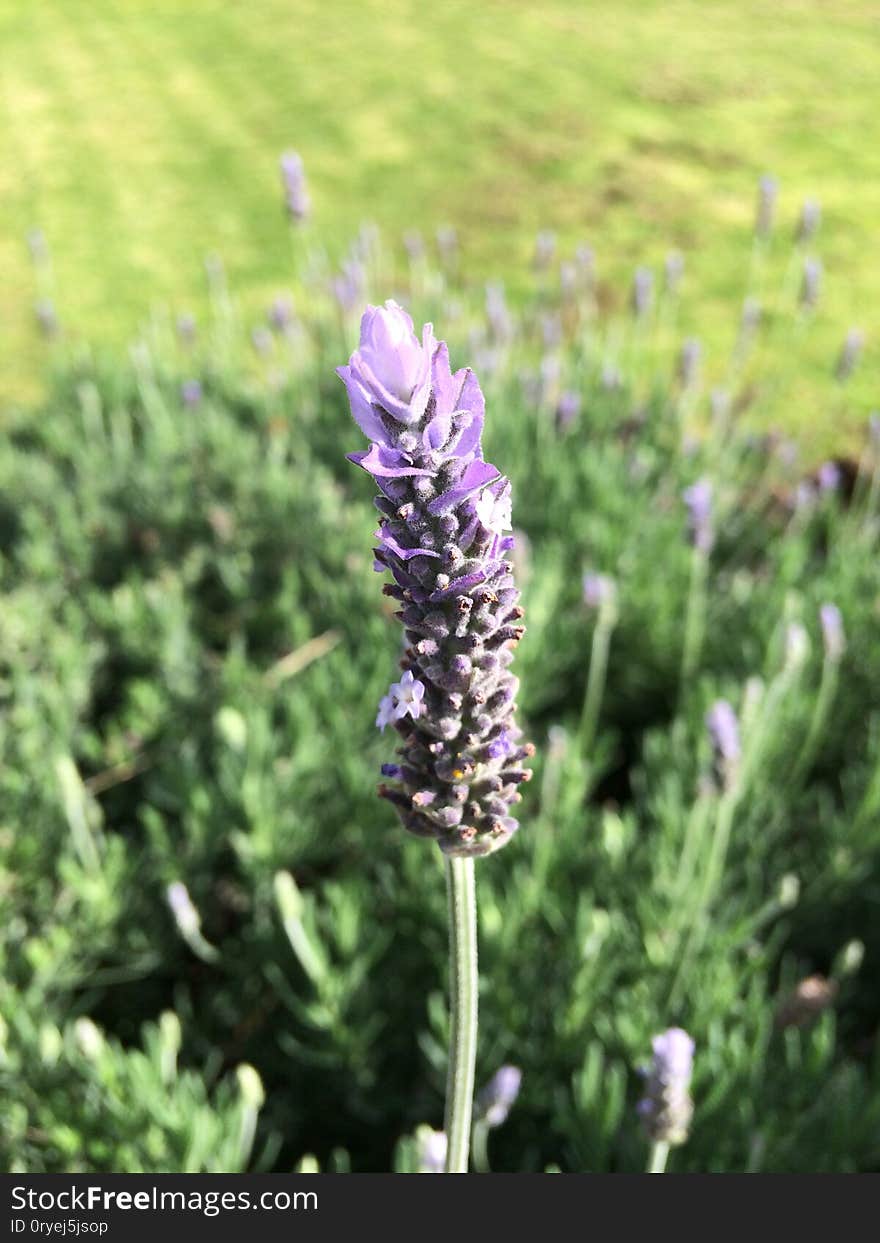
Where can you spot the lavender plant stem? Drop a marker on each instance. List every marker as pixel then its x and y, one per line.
pixel 595 682
pixel 461 892
pixel 695 619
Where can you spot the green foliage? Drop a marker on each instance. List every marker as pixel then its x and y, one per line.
pixel 192 648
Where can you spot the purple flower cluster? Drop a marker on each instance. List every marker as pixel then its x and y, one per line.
pixel 698 500
pixel 666 1108
pixel 498 1097
pixel 723 727
pixel 443 535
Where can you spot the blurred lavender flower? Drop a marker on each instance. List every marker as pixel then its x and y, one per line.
pixel 261 340
pixel 497 315
pixel 666 1108
pixel 833 634
pixel 444 513
pixel 689 362
pixel 642 294
pixel 447 245
pixel 768 192
pixel 599 590
pixel 414 245
pixel 431 1150
pixel 191 393
pixel 281 313
pixel 293 180
pixel 723 727
pixel 47 318
pixel 185 914
pixel 497 1098
pixel 698 499
pixel 568 281
pixel 809 221
pixel 38 248
pixel 349 285
pixel 551 330
pixel 186 328
pixel 567 408
pixel 673 271
pixel 811 281
pixel 850 354
pixel 828 477
pixel 545 249
pixel 585 261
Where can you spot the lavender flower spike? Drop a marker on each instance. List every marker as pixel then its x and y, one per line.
pixel 666 1108
pixel 723 727
pixel 833 634
pixel 698 499
pixel 499 1095
pixel 445 514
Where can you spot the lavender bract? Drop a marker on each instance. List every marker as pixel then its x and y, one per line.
pixel 444 513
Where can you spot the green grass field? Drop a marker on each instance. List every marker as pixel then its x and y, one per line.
pixel 143 135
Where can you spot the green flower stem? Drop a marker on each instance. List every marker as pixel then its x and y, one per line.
pixel 480 1145
pixel 695 618
pixel 596 679
pixel 461 892
pixel 657 1158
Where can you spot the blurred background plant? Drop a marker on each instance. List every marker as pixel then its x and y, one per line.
pixel 217 949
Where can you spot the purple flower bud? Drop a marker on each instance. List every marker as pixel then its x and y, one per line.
pixel 666 1108
pixel 47 318
pixel 768 192
pixel 281 314
pixel 698 499
pixel 186 328
pixel 545 249
pixel 828 477
pixel 832 631
pixel 431 1148
pixel 293 180
pixel 496 1099
pixel 599 590
pixel 723 726
pixel 850 354
pixel 810 283
pixel 673 271
pixel 809 221
pixel 38 248
pixel 447 244
pixel 568 408
pixel 414 245
pixel 191 393
pixel 689 362
pixel 443 535
pixel 642 292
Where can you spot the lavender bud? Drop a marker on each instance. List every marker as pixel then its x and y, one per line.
pixel 545 249
pixel 47 318
pixel 698 499
pixel 723 727
pixel 833 634
pixel 431 1148
pixel 447 244
pixel 443 536
pixel 185 914
pixel 810 283
pixel 186 328
pixel 497 1098
pixel 828 477
pixel 689 362
pixel 599 591
pixel 849 355
pixel 768 192
pixel 191 393
pixel 809 221
pixel 642 294
pixel 281 314
pixel 673 271
pixel 567 409
pixel 293 180
pixel 666 1108
pixel 38 248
